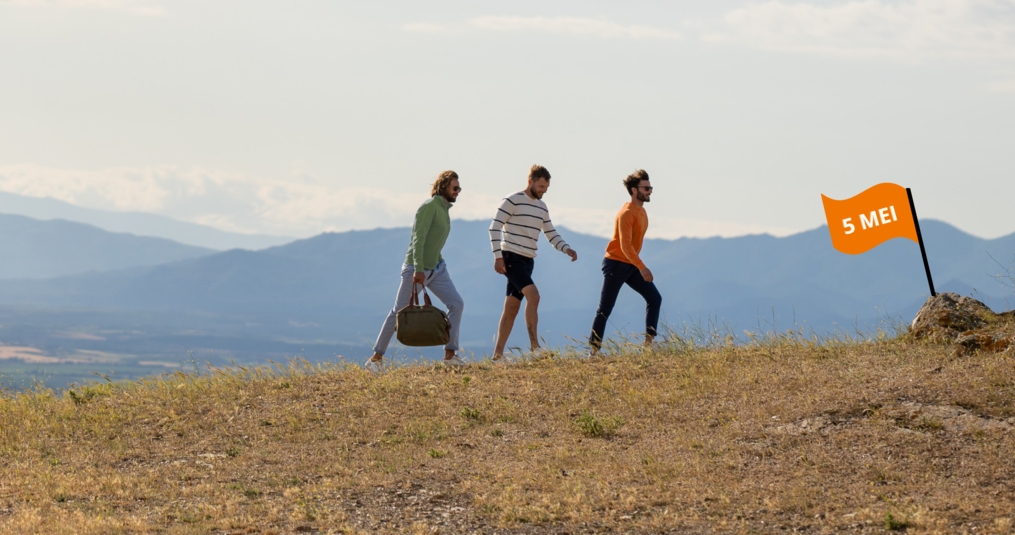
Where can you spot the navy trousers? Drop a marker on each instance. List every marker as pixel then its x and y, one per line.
pixel 615 275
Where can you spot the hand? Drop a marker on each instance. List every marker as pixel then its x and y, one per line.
pixel 499 267
pixel 646 274
pixel 572 254
pixel 419 278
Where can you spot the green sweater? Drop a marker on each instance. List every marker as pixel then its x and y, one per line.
pixel 429 232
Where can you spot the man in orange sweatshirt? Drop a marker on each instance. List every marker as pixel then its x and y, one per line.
pixel 622 264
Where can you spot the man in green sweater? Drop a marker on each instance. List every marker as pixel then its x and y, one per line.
pixel 425 266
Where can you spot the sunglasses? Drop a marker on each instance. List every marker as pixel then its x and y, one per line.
pixel 646 188
pixel 456 189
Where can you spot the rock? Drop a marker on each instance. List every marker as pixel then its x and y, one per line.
pixel 966 322
pixel 972 340
pixel 946 316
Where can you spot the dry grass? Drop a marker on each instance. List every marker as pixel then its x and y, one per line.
pixel 782 433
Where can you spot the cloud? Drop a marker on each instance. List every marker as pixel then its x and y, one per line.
pixel 137 7
pixel 572 26
pixel 236 202
pixel 299 205
pixel 903 29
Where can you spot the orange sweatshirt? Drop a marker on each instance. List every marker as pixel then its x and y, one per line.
pixel 628 233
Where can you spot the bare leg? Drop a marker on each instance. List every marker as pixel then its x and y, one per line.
pixel 448 353
pixel 532 314
pixel 377 357
pixel 648 339
pixel 507 321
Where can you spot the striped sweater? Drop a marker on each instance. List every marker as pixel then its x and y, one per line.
pixel 516 226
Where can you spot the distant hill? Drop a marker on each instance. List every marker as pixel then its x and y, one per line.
pixel 136 223
pixel 335 288
pixel 43 249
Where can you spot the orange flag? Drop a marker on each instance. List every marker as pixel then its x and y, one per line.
pixel 861 223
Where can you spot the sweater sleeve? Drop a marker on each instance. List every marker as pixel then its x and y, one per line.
pixel 504 213
pixel 420 228
pixel 626 235
pixel 552 235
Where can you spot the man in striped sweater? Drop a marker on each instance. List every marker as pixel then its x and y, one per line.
pixel 513 236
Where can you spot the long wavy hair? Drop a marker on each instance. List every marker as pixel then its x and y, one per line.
pixel 440 186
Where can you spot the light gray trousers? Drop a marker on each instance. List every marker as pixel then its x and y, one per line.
pixel 438 281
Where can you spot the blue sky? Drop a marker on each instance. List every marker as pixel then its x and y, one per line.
pixel 296 117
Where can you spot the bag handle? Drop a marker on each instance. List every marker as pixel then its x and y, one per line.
pixel 414 300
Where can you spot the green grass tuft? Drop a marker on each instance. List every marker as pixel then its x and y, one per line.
pixel 594 427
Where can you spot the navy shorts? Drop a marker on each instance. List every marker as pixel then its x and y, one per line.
pixel 519 273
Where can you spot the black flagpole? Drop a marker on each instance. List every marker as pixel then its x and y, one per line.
pixel 919 236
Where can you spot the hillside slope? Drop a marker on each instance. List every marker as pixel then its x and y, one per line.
pixel 774 436
pixel 43 249
pixel 138 223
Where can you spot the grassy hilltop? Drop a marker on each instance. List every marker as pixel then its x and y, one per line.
pixel 782 433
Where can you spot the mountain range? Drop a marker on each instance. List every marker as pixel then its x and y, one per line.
pixel 42 249
pixel 332 291
pixel 137 223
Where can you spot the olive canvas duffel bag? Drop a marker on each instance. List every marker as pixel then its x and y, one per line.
pixel 419 326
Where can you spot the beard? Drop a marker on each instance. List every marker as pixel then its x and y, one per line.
pixel 643 197
pixel 535 194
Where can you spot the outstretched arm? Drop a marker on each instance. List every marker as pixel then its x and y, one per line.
pixel 555 240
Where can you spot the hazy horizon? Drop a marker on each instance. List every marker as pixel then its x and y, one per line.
pixel 603 230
